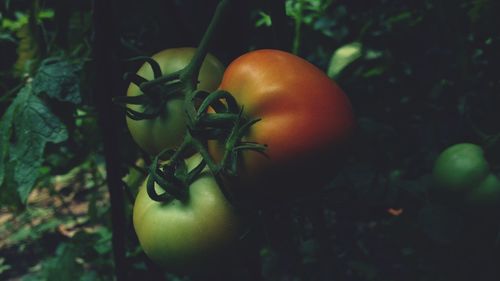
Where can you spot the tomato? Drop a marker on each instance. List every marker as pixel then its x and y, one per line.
pixel 186 235
pixel 461 167
pixel 487 193
pixel 306 120
pixel 167 130
pixel 462 171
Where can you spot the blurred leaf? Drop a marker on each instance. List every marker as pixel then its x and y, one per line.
pixel 16 24
pixel 477 9
pixel 264 19
pixel 344 56
pixel 309 250
pixel 22 18
pixel 27 126
pixel 375 71
pixel 58 78
pixel 63 266
pixel 7 37
pixel 103 244
pixel 3 266
pixel 405 17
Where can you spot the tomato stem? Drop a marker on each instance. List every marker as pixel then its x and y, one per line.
pixel 190 73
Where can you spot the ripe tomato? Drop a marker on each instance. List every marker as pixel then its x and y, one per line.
pixel 167 130
pixel 186 235
pixel 306 120
pixel 464 174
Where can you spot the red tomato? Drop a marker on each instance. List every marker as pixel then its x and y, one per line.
pixel 306 119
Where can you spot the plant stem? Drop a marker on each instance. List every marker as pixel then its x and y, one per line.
pixel 298 27
pixel 192 70
pixel 105 42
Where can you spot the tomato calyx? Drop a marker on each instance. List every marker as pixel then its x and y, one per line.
pixel 173 177
pixel 156 92
pixel 225 122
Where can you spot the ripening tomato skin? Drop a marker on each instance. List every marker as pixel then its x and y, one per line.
pixel 306 118
pixel 167 130
pixel 187 236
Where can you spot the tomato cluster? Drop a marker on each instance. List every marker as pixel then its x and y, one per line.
pixel 305 121
pixel 462 171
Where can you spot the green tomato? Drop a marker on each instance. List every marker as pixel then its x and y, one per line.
pixel 486 194
pixel 188 235
pixel 460 167
pixel 463 170
pixel 167 130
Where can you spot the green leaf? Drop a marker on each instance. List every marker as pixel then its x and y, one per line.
pixel 63 266
pixel 103 244
pixel 264 19
pixel 27 126
pixel 59 79
pixel 342 57
pixel 375 71
pixel 3 266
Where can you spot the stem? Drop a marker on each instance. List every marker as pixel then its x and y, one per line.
pixel 298 26
pixel 166 78
pixel 11 92
pixel 192 70
pixel 200 147
pixel 105 43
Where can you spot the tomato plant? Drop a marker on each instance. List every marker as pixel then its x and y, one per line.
pixel 190 234
pixel 167 130
pixel 462 169
pixel 306 119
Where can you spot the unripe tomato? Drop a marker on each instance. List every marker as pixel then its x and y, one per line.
pixel 306 120
pixel 190 235
pixel 462 173
pixel 461 167
pixel 487 193
pixel 167 130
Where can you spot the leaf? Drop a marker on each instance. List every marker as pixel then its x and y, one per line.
pixel 103 244
pixel 59 79
pixel 264 20
pixel 27 126
pixel 375 71
pixel 63 266
pixel 342 57
pixel 3 266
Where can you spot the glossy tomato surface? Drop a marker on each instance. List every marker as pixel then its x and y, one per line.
pixel 190 235
pixel 167 130
pixel 307 120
